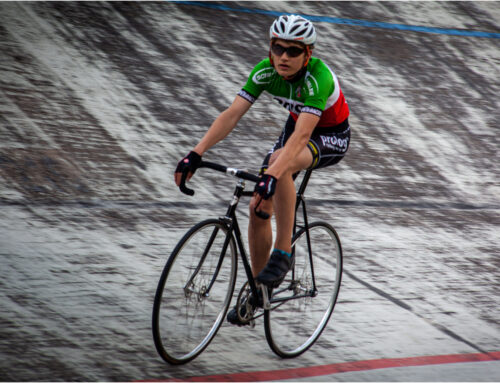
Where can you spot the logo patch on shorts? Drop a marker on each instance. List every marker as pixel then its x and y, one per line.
pixel 333 142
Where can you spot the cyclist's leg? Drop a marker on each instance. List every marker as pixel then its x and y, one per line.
pixel 325 148
pixel 283 204
pixel 271 272
pixel 284 200
pixel 260 235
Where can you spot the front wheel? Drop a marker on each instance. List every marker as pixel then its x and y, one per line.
pixel 302 305
pixel 194 292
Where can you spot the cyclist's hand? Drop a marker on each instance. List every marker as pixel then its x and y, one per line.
pixel 266 186
pixel 189 163
pixel 264 189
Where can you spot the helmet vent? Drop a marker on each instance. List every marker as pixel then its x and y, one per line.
pixel 293 28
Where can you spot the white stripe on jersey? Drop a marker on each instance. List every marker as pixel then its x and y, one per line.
pixel 333 98
pixel 336 90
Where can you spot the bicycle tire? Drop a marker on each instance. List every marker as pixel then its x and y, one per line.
pixel 185 317
pixel 293 326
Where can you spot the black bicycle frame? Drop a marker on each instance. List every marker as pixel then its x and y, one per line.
pixel 233 229
pixel 233 226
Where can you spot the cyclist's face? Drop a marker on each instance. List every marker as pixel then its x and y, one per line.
pixel 286 65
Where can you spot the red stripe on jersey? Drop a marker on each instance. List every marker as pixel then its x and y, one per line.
pixel 334 115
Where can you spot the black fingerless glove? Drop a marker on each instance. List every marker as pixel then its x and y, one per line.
pixel 191 162
pixel 266 186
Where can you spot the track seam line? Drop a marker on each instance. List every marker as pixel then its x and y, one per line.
pixel 407 307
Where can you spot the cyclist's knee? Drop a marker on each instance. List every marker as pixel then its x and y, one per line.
pixel 302 161
pixel 274 156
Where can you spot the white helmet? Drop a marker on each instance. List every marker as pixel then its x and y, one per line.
pixel 293 28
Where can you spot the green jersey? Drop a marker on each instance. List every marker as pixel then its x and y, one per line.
pixel 317 91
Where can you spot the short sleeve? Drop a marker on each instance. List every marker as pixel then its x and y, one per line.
pixel 257 82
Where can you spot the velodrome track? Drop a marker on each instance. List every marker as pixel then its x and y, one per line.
pixel 98 102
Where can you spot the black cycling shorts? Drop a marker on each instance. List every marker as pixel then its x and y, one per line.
pixel 327 145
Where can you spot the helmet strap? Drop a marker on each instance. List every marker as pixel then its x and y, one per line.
pixel 308 53
pixel 270 55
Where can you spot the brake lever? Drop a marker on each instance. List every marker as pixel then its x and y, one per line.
pixel 183 186
pixel 261 214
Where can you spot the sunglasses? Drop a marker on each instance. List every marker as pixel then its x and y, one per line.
pixel 292 51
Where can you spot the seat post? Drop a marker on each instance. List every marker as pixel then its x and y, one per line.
pixel 303 184
pixel 300 200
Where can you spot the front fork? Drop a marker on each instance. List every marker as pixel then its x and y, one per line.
pixel 229 220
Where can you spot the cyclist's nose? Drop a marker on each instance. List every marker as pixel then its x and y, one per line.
pixel 285 56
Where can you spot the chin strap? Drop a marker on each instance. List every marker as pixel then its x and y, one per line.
pixel 270 55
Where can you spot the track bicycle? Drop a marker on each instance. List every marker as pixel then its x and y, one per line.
pixel 197 283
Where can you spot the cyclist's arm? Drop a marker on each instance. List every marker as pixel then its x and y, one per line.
pixel 295 144
pixel 223 125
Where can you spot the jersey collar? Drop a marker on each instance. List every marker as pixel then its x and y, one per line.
pixel 298 76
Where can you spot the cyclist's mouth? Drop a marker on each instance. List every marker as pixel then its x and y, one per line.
pixel 283 67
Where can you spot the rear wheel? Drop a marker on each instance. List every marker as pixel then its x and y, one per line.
pixel 312 287
pixel 194 292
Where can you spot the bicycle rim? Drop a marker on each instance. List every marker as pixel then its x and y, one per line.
pixel 293 326
pixel 194 292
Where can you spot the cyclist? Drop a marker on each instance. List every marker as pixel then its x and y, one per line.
pixel 316 135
